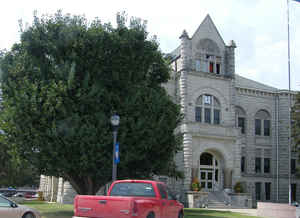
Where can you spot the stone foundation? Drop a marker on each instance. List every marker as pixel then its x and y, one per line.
pixel 197 199
pixel 241 200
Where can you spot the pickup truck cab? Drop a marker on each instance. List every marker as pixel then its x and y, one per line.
pixel 130 199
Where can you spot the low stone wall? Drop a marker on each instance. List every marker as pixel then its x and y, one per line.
pixel 197 199
pixel 241 200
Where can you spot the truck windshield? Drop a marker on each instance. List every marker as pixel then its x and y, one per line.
pixel 133 189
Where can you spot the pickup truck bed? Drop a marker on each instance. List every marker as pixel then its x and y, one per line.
pixel 128 199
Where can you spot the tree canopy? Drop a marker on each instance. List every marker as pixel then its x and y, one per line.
pixel 64 80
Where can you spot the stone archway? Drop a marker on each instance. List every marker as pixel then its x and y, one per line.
pixel 210 172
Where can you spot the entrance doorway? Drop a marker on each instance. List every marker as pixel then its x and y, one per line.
pixel 209 172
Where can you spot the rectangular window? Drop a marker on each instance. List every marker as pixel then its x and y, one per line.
pixel 268 190
pixel 266 127
pixel 133 189
pixel 258 190
pixel 216 116
pixel 211 67
pixel 204 66
pixel 241 124
pixel 257 127
pixel 198 66
pixel 243 162
pixel 218 68
pixel 293 192
pixel 257 165
pixel 207 114
pixel 293 166
pixel 198 114
pixel 266 165
pixel 162 191
pixel 207 99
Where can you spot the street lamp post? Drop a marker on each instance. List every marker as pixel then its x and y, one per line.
pixel 115 120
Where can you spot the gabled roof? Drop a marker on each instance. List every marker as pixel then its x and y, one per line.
pixel 243 82
pixel 208 22
pixel 175 53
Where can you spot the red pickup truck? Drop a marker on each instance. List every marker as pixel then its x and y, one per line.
pixel 130 199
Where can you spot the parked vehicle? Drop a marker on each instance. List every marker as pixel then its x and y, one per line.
pixel 10 209
pixel 19 195
pixel 130 198
pixel 31 195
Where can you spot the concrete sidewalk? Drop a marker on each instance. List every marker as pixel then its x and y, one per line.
pixel 267 210
pixel 276 210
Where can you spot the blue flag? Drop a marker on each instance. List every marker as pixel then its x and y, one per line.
pixel 297 1
pixel 117 156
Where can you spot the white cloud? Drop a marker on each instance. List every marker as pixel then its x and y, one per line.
pixel 259 28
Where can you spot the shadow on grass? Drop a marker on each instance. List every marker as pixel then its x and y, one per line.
pixel 51 210
pixel 203 213
pixel 58 214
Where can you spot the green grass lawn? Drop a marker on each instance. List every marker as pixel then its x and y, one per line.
pixel 51 210
pixel 203 213
pixel 54 210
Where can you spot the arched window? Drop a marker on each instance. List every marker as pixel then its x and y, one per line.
pixel 209 58
pixel 262 123
pixel 240 119
pixel 208 109
pixel 206 159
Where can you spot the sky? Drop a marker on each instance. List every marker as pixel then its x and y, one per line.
pixel 258 27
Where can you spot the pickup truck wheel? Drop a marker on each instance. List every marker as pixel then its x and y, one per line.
pixel 151 215
pixel 29 215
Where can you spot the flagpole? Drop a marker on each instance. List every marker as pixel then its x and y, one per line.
pixel 290 102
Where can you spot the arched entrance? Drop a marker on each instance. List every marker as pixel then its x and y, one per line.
pixel 209 172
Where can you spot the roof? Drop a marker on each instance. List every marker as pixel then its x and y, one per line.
pixel 175 53
pixel 243 82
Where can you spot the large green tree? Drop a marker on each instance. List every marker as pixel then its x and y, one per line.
pixel 65 79
pixel 14 170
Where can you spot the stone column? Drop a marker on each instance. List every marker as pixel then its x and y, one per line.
pixel 42 183
pixel 187 138
pixel 54 189
pixel 69 193
pixel 227 178
pixel 60 192
pixel 230 60
pixel 47 188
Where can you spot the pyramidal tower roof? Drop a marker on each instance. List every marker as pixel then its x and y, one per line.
pixel 206 28
pixel 208 25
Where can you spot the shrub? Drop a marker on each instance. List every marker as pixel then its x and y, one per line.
pixel 238 188
pixel 196 184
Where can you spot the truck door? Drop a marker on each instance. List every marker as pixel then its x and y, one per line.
pixel 173 207
pixel 165 213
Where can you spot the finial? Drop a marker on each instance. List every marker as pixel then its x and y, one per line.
pixel 184 35
pixel 232 44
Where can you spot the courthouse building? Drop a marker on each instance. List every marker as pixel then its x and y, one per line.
pixel 234 129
